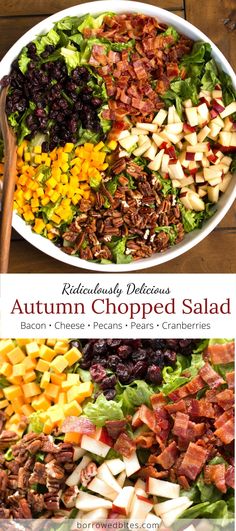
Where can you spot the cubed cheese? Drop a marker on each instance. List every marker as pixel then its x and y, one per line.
pixel 31 389
pixel 59 364
pixel 32 349
pixel 13 391
pixel 42 365
pixel 45 380
pixel 52 391
pixel 72 356
pixel 46 353
pixel 16 355
pixel 72 409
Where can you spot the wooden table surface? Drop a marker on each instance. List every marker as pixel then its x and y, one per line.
pixel 216 18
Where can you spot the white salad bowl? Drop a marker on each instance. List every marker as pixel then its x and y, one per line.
pixel 226 200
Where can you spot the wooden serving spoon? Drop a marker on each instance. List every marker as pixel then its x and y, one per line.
pixel 9 180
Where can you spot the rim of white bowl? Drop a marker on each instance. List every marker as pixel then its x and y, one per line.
pixel 226 200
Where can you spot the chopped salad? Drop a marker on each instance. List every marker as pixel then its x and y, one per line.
pixel 128 429
pixel 126 135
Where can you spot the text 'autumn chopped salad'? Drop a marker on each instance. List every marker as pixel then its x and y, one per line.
pixel 126 135
pixel 127 429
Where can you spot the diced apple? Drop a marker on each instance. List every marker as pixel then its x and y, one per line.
pixel 138 131
pixel 187 104
pixel 140 508
pixel 74 478
pixel 121 478
pixel 175 128
pixel 218 120
pixel 95 516
pixel 101 488
pixel 203 112
pixel 176 183
pixel 152 521
pixel 205 162
pixel 225 182
pixel 198 156
pixel 225 160
pixel 193 167
pixel 228 125
pixel 165 489
pixel 223 167
pixel 141 149
pixel 152 128
pixel 157 139
pixel 203 147
pixel 131 464
pixel 201 192
pixel 129 142
pixel 230 109
pixel 151 152
pixel 192 139
pixel 88 502
pixel 123 153
pixel 213 193
pixel 184 198
pixel 140 484
pixel 123 501
pixel 203 134
pixel 212 173
pixel 156 163
pixel 225 138
pixel 176 171
pixel 170 517
pixel 93 446
pixel 164 163
pixel 169 505
pixel 214 130
pixel 176 117
pixel 101 434
pixel 123 134
pixel 105 474
pixel 171 115
pixel 233 140
pixel 192 187
pixel 196 202
pixel 186 181
pixel 179 145
pixel 217 94
pixel 216 181
pixel 192 115
pixel 115 466
pixel 142 139
pixel 78 453
pixel 199 178
pixel 160 117
pixel 217 105
pixel 189 156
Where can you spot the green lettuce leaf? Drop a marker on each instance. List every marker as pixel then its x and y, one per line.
pixel 201 52
pixel 194 220
pixel 167 187
pixel 9 455
pixel 24 60
pixel 133 395
pixel 105 124
pixel 229 92
pixel 69 23
pixel 118 247
pixel 186 89
pixel 103 410
pixel 51 38
pixel 210 76
pixel 35 424
pixel 172 32
pixel 71 56
pixel 93 22
pixel 85 135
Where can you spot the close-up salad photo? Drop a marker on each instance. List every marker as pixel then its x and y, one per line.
pixel 117 429
pixel 125 132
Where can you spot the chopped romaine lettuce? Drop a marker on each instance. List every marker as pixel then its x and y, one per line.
pixel 118 247
pixel 171 230
pixel 24 60
pixel 9 455
pixel 171 32
pixel 210 76
pixel 134 395
pixel 35 424
pixel 51 38
pixel 193 220
pixel 93 22
pixel 72 57
pixel 201 52
pixel 103 410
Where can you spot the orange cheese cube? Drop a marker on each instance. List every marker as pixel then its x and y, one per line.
pixel 72 409
pixel 9 410
pixel 1 394
pixel 32 349
pixel 48 427
pixel 56 415
pixel 80 392
pixel 58 379
pixel 29 363
pixel 73 379
pixel 59 364
pixel 45 380
pixel 16 380
pixel 51 342
pixel 6 369
pixel 41 403
pixel 29 376
pixel 73 438
pixel 52 391
pixel 13 391
pixel 47 353
pixel 31 389
pixel 27 410
pixel 72 356
pixel 6 345
pixel 18 369
pixel 22 342
pixel 42 365
pixel 17 404
pixel 4 403
pixel 61 347
pixel 16 355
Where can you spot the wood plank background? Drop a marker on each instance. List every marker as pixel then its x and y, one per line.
pixel 216 18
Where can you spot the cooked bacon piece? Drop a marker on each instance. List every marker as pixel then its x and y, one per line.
pixel 140 70
pixel 191 388
pixel 150 472
pixel 158 400
pixel 145 440
pixel 195 430
pixel 168 457
pixel 125 445
pixel 180 427
pixel 200 408
pixel 211 377
pixel 178 406
pixel 230 379
pixel 221 353
pixel 115 428
pixel 226 432
pixel 162 426
pixel 78 425
pixel 229 476
pixel 216 474
pixel 147 416
pixel 193 461
pixel 223 418
pixel 225 399
pixel 172 70
pixel 182 480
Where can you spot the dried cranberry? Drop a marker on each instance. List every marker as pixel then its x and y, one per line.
pixel 108 382
pixel 124 373
pixel 124 351
pixel 154 375
pixel 139 355
pixel 110 394
pixel 100 347
pixel 114 343
pixel 139 369
pixel 98 373
pixel 170 357
pixel 113 361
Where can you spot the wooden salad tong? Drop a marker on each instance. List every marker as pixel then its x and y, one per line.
pixel 9 180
